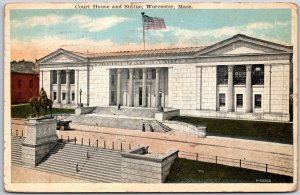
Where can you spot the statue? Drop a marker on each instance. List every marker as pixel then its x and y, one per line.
pixel 41 101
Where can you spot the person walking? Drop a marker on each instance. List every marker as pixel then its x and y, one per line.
pixel 143 127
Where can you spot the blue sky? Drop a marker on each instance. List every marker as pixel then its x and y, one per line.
pixel 111 30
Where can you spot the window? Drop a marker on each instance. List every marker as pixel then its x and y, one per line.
pixel 19 83
pixel 54 77
pixel 153 71
pixel 140 74
pixel 221 99
pixel 258 75
pixel 257 100
pixel 128 75
pixel 72 77
pixel 30 84
pixel 112 80
pixel 239 75
pixel 54 95
pixel 63 96
pixel 63 77
pixel 73 96
pixel 222 75
pixel 112 96
pixel 239 100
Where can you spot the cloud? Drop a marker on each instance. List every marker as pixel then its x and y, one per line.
pixel 46 20
pixel 206 37
pixel 99 24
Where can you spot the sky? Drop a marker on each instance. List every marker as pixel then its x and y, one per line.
pixel 36 33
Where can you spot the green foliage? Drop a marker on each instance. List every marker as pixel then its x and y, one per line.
pixel 24 110
pixel 255 130
pixel 189 171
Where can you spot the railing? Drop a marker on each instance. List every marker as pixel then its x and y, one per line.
pixel 18 133
pixel 89 153
pixel 241 163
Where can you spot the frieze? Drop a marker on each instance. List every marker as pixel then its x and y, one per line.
pixel 124 63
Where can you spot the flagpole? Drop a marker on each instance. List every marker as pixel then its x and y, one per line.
pixel 143 30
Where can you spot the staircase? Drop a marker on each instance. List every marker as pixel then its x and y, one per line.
pixel 164 127
pixel 104 166
pixel 16 150
pixel 126 111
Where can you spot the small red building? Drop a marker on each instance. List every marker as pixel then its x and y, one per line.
pixel 24 81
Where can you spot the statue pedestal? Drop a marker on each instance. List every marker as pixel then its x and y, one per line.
pixel 41 138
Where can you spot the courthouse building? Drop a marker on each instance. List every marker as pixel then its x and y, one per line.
pixel 241 77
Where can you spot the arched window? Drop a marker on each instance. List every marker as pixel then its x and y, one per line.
pixel 222 75
pixel 239 75
pixel 258 75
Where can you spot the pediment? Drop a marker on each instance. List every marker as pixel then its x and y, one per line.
pixel 62 56
pixel 243 45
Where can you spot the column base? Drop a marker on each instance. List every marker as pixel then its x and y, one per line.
pixel 248 111
pixel 230 110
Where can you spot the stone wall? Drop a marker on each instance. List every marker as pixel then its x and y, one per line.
pixel 208 88
pixel 184 86
pixel 84 110
pixel 166 115
pixel 99 86
pixel 185 127
pixel 140 167
pixel 41 138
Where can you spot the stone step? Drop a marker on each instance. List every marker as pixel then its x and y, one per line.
pixel 103 162
pixel 82 153
pixel 92 175
pixel 105 175
pixel 80 147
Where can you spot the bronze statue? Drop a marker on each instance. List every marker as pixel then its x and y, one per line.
pixel 41 101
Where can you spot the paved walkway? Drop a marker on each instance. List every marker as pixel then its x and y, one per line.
pixel 159 142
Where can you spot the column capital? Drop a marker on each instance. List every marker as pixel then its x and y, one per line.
pixel 144 70
pixel 248 67
pixel 130 69
pixel 119 70
pixel 58 71
pixel 230 68
pixel 68 71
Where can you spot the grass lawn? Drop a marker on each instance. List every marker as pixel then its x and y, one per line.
pixel 189 171
pixel 24 110
pixel 255 130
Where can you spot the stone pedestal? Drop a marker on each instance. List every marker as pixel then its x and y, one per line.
pixel 41 138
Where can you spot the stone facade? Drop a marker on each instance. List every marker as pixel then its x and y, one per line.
pixel 140 167
pixel 41 138
pixel 187 79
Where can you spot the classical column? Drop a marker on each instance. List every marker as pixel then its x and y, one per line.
pixel 58 89
pixel 230 106
pixel 68 86
pixel 131 87
pixel 157 80
pixel 119 87
pixel 248 88
pixel 144 97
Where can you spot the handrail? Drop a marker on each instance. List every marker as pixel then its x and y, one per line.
pixel 80 164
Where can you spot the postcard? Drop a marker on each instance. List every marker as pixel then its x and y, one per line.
pixel 150 97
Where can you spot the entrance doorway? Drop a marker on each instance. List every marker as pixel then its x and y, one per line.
pixel 140 96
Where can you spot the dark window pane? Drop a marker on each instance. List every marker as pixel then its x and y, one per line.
pixel 73 96
pixel 221 99
pixel 222 75
pixel 54 95
pixel 54 77
pixel 63 77
pixel 19 83
pixel 153 74
pixel 112 81
pixel 140 74
pixel 239 75
pixel 72 77
pixel 239 100
pixel 30 84
pixel 112 96
pixel 258 75
pixel 63 96
pixel 257 101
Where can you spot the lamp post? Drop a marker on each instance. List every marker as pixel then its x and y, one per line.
pixel 160 108
pixel 80 104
